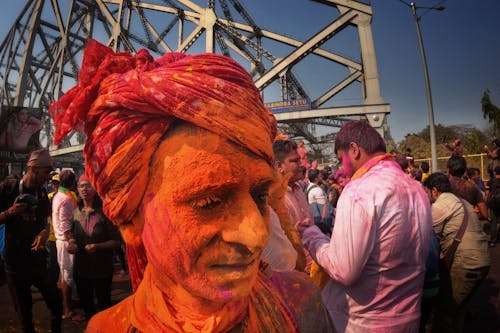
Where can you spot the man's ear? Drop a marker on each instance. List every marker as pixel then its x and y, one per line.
pixel 355 150
pixel 278 166
pixel 434 192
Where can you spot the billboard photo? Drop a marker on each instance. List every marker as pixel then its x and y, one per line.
pixel 20 128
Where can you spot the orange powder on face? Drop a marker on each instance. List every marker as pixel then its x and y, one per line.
pixel 205 216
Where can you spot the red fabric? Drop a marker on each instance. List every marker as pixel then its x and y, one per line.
pixel 83 178
pixel 131 100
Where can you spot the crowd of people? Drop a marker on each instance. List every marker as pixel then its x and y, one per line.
pixel 58 241
pixel 255 238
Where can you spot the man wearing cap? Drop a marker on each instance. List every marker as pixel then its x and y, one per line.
pixel 24 211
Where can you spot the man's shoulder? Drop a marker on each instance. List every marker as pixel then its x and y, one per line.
pixel 446 200
pixel 60 197
pixel 304 300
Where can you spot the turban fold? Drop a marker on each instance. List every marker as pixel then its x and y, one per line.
pixel 126 103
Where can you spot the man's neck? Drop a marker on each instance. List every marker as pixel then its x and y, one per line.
pixel 365 158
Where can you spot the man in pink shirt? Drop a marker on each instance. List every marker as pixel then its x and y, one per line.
pixel 64 203
pixel 287 164
pixel 376 255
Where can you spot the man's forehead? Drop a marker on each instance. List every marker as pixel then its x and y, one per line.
pixel 293 154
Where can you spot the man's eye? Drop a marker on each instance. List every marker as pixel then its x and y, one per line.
pixel 261 199
pixel 209 202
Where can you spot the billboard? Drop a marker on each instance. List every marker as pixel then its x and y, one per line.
pixel 20 128
pixel 289 105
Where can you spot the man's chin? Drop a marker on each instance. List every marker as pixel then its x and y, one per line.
pixel 229 283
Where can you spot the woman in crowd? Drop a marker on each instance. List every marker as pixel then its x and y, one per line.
pixel 96 238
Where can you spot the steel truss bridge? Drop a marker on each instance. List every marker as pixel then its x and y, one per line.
pixel 331 63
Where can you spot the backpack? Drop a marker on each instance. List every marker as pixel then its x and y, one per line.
pixel 493 202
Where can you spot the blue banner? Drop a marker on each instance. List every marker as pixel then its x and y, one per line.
pixel 290 105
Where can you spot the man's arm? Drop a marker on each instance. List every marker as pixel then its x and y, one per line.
pixel 353 239
pixel 15 210
pixel 41 239
pixel 65 217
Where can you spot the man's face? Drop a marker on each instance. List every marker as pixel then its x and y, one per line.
pixel 431 194
pixel 347 165
pixel 22 115
pixel 206 218
pixel 475 176
pixel 85 190
pixel 41 174
pixel 291 164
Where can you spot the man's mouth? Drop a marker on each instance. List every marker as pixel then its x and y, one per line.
pixel 237 266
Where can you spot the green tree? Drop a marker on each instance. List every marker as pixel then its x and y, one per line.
pixel 491 112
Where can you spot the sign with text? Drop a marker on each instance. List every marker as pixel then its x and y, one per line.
pixel 290 105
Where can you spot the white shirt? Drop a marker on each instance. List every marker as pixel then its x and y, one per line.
pixel 279 252
pixel 315 194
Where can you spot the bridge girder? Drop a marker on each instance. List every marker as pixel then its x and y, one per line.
pixel 40 56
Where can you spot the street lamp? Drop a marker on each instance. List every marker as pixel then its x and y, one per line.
pixel 432 129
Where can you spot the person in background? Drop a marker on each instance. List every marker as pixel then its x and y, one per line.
pixel 24 211
pixel 493 203
pixel 404 163
pixel 494 155
pixel 416 174
pixel 303 181
pixel 314 192
pixel 465 188
pixel 424 167
pixel 377 252
pixel 456 148
pixel 342 178
pixel 95 239
pixel 53 265
pixel 287 165
pixel 7 185
pixel 64 203
pixel 474 174
pixel 411 160
pixel 471 261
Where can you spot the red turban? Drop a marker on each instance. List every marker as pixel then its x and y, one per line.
pixel 126 104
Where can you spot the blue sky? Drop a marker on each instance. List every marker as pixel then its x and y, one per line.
pixel 462 45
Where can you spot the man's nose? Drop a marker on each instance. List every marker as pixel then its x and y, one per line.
pixel 246 225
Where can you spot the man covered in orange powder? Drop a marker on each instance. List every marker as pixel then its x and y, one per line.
pixel 147 122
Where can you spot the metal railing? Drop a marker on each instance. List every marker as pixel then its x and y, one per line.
pixel 479 161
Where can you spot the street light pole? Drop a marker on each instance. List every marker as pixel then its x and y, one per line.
pixel 432 128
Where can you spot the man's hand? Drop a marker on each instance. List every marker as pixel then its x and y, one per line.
pixel 72 247
pixel 91 248
pixel 17 209
pixel 303 225
pixel 38 243
pixel 40 240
